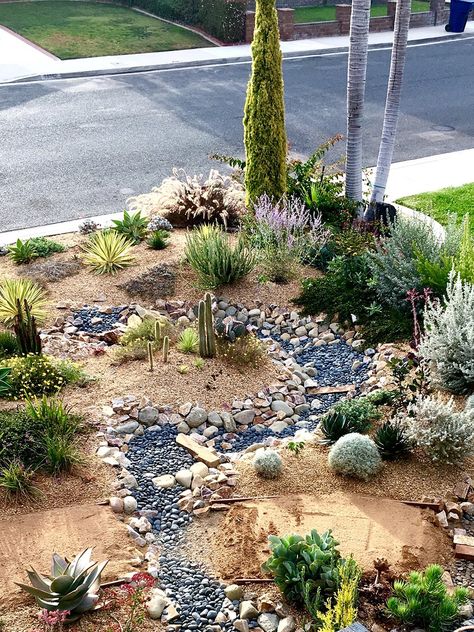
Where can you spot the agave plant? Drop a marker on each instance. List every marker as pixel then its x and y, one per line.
pixel 107 252
pixel 133 226
pixel 392 441
pixel 14 290
pixel 72 586
pixel 335 425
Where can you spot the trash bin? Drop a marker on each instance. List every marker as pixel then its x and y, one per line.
pixel 458 14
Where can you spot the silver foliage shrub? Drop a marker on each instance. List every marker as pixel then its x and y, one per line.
pixel 443 433
pixel 192 200
pixel 268 463
pixel 394 264
pixel 355 455
pixel 449 340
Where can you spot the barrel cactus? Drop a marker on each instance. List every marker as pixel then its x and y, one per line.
pixel 72 586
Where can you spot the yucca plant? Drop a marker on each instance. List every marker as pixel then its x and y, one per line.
pixel 72 586
pixel 213 258
pixel 107 252
pixel 188 341
pixel 22 251
pixel 391 441
pixel 335 425
pixel 14 290
pixel 423 600
pixel 158 239
pixel 134 227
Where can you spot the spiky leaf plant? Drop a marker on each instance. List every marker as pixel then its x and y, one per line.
pixel 72 586
pixel 8 344
pixel 13 290
pixel 423 600
pixel 158 239
pixel 22 251
pixel 108 252
pixel 16 480
pixel 132 226
pixel 188 341
pixel 335 425
pixel 5 385
pixel 391 441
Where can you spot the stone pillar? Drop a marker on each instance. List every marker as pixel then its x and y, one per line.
pixel 286 23
pixel 343 17
pixel 437 7
pixel 249 25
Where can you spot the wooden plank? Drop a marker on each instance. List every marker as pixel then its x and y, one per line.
pixel 463 552
pixel 424 505
pixel 200 452
pixel 238 499
pixel 252 580
pixel 327 390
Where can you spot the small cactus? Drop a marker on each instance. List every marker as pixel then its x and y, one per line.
pixel 150 355
pixel 207 338
pixel 157 330
pixel 166 348
pixel 268 463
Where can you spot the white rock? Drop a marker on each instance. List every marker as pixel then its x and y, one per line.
pixel 247 610
pixel 233 591
pixel 184 478
pixel 288 624
pixel 199 469
pixel 268 622
pixel 165 481
pixel 156 604
pixel 116 504
pixel 129 504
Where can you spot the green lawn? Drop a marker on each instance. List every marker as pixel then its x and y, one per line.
pixel 82 29
pixel 325 14
pixel 440 204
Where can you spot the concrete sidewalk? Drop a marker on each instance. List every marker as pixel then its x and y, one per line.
pixel 56 68
pixel 406 178
pixel 21 58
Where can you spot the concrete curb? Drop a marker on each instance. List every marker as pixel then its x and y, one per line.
pixel 221 61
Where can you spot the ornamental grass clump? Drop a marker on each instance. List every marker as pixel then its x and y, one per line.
pixel 215 260
pixel 423 601
pixel 448 343
pixel 355 455
pixel 268 464
pixel 285 234
pixel 443 433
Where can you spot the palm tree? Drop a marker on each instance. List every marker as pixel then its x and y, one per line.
pixel 392 103
pixel 356 76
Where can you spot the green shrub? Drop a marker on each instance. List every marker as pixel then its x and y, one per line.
pixel 19 438
pixel 26 251
pixel 158 240
pixel 423 600
pixel 246 351
pixel 132 226
pixel 14 290
pixel 188 341
pixel 359 411
pixel 434 274
pixel 381 397
pixel 16 480
pixel 448 343
pixel 5 385
pixel 465 258
pixel 355 455
pixel 268 463
pixel 38 374
pixel 264 112
pixel 295 560
pixel 72 373
pixel 391 441
pixel 8 345
pixel 61 453
pixel 107 252
pixel 224 19
pixel 216 262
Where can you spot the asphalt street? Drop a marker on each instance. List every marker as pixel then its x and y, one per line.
pixel 79 147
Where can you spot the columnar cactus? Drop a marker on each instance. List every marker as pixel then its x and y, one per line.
pixel 207 337
pixel 25 330
pixel 166 348
pixel 150 355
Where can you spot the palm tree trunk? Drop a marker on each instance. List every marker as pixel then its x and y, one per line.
pixel 392 103
pixel 356 76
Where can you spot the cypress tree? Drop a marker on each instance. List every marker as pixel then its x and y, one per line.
pixel 264 114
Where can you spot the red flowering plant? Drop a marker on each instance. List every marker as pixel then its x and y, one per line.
pixel 130 598
pixel 51 621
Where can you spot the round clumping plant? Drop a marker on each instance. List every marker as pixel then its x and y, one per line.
pixel 355 455
pixel 268 463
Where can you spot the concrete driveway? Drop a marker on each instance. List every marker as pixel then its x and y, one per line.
pixel 20 58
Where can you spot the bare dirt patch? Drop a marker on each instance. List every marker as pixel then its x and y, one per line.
pixel 33 537
pixel 365 526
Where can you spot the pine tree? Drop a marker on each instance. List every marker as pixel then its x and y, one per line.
pixel 264 114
